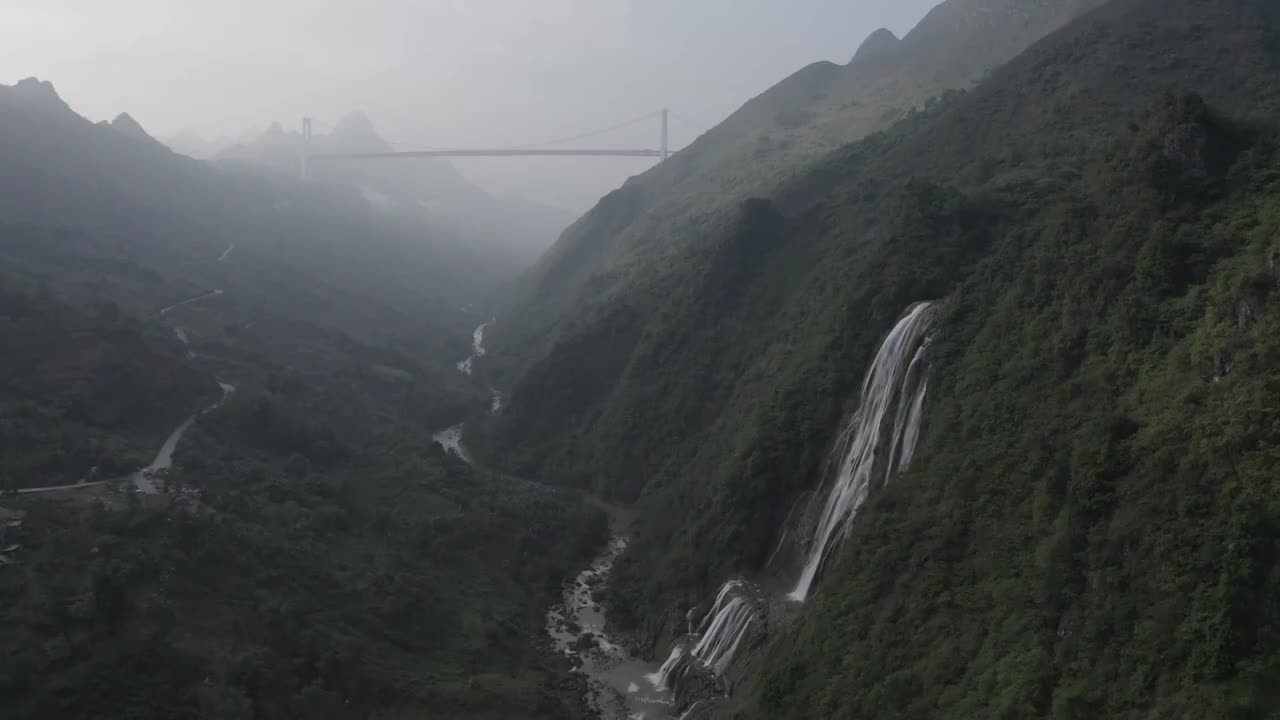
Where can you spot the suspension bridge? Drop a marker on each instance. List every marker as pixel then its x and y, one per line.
pixel 542 149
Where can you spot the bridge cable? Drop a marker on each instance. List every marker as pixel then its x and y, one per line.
pixel 583 136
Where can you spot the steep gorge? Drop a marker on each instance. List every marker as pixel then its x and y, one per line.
pixel 1086 526
pixel 638 230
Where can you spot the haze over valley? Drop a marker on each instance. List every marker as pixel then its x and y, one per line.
pixel 599 359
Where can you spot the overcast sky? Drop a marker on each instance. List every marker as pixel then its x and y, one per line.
pixel 437 72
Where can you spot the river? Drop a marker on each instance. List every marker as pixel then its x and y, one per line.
pixel 451 437
pixel 451 440
pixel 620 686
pixel 477 348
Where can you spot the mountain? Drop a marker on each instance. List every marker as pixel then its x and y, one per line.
pixel 1087 525
pixel 94 211
pixel 85 388
pixel 222 496
pixel 768 140
pixel 642 236
pixel 880 43
pixel 512 231
pixel 126 125
pixel 190 143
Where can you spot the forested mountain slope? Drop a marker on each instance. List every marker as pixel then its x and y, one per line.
pixel 1088 528
pixel 85 388
pixel 305 549
pixel 633 230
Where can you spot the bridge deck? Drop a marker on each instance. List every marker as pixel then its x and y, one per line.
pixel 489 153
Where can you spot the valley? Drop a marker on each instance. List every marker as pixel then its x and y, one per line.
pixel 940 382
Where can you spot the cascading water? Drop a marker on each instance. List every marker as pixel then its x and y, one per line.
pixel 660 679
pixel 906 425
pixel 898 371
pixel 579 630
pixel 717 638
pixel 728 625
pixel 477 348
pixel 451 440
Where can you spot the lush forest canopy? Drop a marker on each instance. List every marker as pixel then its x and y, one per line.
pixel 314 553
pixel 1088 527
pixel 1088 190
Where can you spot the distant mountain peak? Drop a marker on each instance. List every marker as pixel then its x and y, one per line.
pixel 355 133
pixel 35 87
pixel 354 122
pixel 36 94
pixel 880 42
pixel 125 124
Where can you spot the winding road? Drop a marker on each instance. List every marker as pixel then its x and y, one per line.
pixel 143 480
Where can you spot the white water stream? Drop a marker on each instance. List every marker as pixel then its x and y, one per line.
pixel 619 686
pixel 716 641
pixel 477 348
pixel 898 371
pixel 451 440
pixel 451 437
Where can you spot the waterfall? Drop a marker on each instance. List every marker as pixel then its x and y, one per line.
pixel 689 712
pixel 897 371
pixel 718 636
pixel 724 626
pixel 906 425
pixel 717 647
pixel 660 679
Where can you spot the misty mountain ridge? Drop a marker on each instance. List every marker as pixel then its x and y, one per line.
pixel 190 143
pixel 431 188
pixel 214 323
pixel 281 150
pixel 937 385
pixel 103 210
pixel 770 139
pixel 126 125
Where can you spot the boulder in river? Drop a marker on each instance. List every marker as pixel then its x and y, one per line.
pixel 586 641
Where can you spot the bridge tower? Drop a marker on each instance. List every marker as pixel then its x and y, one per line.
pixel 306 147
pixel 665 148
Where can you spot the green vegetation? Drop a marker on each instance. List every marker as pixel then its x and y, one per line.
pixel 85 389
pixel 311 578
pixel 1089 529
pixel 773 139
pixel 1089 526
pixel 315 554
